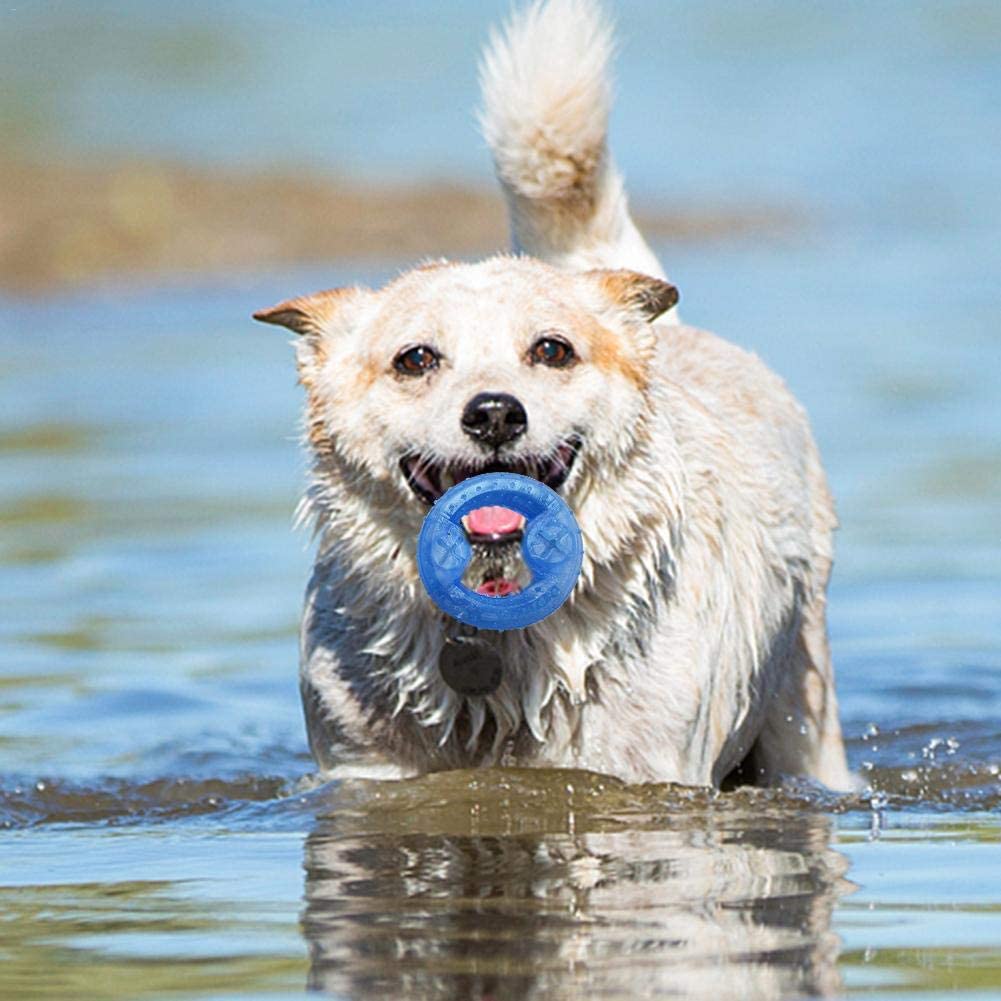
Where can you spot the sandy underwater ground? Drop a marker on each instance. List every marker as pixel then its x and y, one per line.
pixel 65 225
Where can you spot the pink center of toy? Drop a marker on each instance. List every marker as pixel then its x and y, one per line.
pixel 498 587
pixel 493 522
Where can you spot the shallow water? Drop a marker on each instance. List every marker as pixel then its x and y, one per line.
pixel 160 834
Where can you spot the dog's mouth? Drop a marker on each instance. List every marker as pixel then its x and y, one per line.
pixel 429 480
pixel 496 568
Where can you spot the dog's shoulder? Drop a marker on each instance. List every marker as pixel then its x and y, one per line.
pixel 738 422
pixel 732 383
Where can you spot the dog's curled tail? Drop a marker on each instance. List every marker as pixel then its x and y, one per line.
pixel 546 97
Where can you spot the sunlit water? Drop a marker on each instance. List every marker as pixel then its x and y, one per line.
pixel 160 834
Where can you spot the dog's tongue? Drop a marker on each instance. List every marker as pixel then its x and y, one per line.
pixel 498 587
pixel 493 521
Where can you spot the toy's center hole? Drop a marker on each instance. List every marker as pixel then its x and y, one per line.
pixel 496 567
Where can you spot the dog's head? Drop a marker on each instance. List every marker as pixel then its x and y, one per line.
pixel 457 369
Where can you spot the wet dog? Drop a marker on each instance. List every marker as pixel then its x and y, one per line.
pixel 694 647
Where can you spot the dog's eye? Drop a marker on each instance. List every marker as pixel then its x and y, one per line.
pixel 416 361
pixel 552 351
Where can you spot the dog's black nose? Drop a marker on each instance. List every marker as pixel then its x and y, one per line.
pixel 494 418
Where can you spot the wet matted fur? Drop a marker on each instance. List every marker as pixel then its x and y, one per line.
pixel 695 642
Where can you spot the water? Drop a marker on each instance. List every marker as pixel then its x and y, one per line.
pixel 160 834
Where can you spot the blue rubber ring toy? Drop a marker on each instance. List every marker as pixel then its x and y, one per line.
pixel 551 546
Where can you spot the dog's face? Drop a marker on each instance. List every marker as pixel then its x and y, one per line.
pixel 457 369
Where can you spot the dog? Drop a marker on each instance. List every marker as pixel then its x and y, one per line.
pixel 693 649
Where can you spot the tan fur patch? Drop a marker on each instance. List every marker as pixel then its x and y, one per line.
pixel 369 372
pixel 309 368
pixel 316 432
pixel 307 314
pixel 607 353
pixel 316 425
pixel 650 297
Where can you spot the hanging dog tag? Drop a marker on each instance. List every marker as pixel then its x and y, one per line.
pixel 551 547
pixel 470 666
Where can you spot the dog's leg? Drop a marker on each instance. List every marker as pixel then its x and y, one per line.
pixel 801 735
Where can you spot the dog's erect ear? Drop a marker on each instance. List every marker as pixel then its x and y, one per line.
pixel 642 295
pixel 314 314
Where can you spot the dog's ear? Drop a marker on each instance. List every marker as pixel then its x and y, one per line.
pixel 645 297
pixel 311 315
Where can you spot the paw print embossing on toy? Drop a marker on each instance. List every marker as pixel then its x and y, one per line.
pixel 550 542
pixel 551 546
pixel 451 549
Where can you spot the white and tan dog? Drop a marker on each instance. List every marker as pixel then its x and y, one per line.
pixel 694 646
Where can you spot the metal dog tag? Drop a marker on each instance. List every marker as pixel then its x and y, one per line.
pixel 470 667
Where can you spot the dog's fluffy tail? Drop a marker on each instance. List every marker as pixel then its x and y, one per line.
pixel 546 97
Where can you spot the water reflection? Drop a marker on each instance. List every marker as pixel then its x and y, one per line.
pixel 566 885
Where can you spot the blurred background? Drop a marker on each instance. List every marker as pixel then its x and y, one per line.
pixel 823 183
pixel 142 137
pixel 820 180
